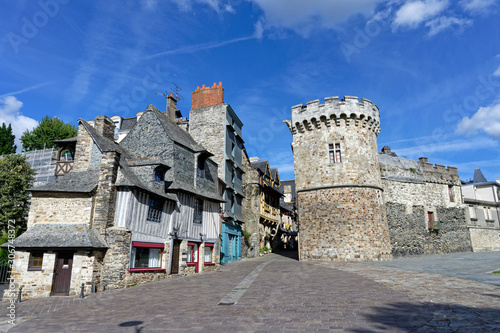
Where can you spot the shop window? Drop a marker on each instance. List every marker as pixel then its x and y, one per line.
pixel 155 209
pixel 198 211
pixel 208 253
pixel 36 261
pixel 146 256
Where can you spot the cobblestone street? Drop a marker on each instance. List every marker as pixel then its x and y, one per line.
pixel 275 293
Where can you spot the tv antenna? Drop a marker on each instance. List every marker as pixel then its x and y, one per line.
pixel 172 91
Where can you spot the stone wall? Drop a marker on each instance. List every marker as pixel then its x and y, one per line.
pixel 410 235
pixel 484 239
pixel 250 209
pixel 207 127
pixel 60 208
pixel 116 259
pixel 34 283
pixel 344 224
pixel 82 272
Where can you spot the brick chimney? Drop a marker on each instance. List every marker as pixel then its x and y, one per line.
pixel 171 107
pixel 207 96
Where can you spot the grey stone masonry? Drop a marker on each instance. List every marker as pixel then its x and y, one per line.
pixel 338 181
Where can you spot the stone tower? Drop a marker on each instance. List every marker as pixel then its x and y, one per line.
pixel 338 183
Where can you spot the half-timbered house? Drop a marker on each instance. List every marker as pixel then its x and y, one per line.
pixel 123 213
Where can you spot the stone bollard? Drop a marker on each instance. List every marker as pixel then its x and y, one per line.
pixel 19 294
pixel 81 292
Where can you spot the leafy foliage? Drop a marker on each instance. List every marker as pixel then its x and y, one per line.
pixel 48 130
pixel 7 145
pixel 16 176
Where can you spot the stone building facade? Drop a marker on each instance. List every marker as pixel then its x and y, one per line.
pixel 357 204
pixel 215 125
pixel 125 214
pixel 424 206
pixel 338 181
pixel 482 200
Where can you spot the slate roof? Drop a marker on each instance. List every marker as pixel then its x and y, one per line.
pixel 54 235
pixel 176 134
pixel 261 165
pixel 73 139
pixel 403 179
pixel 74 182
pixel 103 143
pixel 479 177
pixel 177 185
pixel 128 123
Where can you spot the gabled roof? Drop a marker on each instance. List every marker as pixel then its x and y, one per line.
pixel 263 166
pixel 103 143
pixel 55 235
pixel 275 175
pixel 174 132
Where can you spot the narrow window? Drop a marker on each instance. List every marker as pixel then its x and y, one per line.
pixel 192 253
pixel 450 193
pixel 208 253
pixel 430 215
pixel 201 167
pixel 198 211
pixel 487 213
pixel 472 212
pixel 335 153
pixel 159 176
pixel 155 209
pixel 36 261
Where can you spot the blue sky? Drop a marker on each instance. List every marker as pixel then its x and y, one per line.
pixel 431 66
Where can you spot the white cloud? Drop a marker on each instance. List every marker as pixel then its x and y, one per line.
pixel 10 114
pixel 497 72
pixel 217 5
pixel 442 23
pixel 445 147
pixel 486 119
pixel 477 5
pixel 304 16
pixel 412 13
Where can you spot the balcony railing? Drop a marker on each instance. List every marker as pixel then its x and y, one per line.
pixel 63 167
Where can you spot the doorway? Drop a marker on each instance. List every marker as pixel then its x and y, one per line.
pixel 62 274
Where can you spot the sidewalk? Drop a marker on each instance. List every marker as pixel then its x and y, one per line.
pixel 277 294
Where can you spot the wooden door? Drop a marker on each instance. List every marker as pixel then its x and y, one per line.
pixel 175 257
pixel 62 272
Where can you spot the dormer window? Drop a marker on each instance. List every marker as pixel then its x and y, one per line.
pixel 159 176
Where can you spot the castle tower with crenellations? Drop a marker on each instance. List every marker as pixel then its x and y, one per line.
pixel 338 182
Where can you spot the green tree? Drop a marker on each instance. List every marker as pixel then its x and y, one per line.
pixel 48 130
pixel 16 176
pixel 7 145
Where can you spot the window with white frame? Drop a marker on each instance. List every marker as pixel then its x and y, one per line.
pixel 145 255
pixel 335 153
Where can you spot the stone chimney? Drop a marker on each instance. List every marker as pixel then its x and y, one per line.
pixel 386 150
pixel 207 96
pixel 171 107
pixel 105 127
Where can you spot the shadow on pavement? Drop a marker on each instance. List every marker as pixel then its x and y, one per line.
pixel 292 254
pixel 433 317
